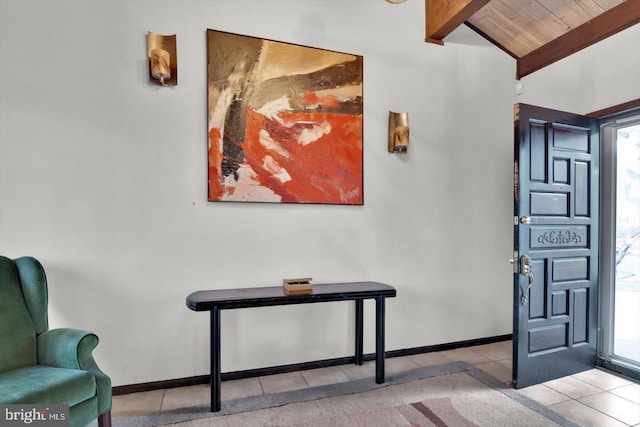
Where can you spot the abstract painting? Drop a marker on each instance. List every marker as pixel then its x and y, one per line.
pixel 284 122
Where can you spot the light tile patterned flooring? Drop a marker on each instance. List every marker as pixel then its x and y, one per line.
pixel 592 398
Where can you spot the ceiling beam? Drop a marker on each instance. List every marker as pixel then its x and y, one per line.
pixel 616 19
pixel 444 16
pixel 616 109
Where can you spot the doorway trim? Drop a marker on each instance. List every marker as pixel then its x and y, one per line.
pixel 608 172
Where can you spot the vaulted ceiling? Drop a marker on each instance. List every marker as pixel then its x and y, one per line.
pixel 535 32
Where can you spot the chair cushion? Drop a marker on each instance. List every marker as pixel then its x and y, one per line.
pixel 46 384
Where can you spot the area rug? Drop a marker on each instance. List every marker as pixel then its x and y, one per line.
pixel 455 395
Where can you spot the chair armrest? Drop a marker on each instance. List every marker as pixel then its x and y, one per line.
pixel 72 349
pixel 66 348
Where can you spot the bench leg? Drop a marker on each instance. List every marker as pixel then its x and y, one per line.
pixel 359 332
pixel 379 340
pixel 216 376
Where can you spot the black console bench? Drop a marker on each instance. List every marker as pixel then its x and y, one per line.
pixel 224 299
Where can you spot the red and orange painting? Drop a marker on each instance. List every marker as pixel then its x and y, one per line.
pixel 285 122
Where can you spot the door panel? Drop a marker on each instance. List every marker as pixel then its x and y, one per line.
pixel 556 227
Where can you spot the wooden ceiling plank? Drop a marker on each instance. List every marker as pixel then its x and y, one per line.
pixel 572 12
pixel 533 19
pixel 491 40
pixel 608 4
pixel 590 6
pixel 495 19
pixel 500 24
pixel 505 40
pixel 542 17
pixel 616 19
pixel 444 16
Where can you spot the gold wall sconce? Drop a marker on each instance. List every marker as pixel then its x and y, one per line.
pixel 398 132
pixel 163 59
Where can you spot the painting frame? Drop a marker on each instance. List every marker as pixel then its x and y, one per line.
pixel 285 122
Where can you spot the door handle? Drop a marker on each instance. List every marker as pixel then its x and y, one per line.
pixel 525 265
pixel 525 270
pixel 525 220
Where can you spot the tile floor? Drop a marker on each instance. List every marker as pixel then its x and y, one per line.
pixel 592 398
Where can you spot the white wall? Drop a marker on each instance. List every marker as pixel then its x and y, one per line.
pixel 103 178
pixel 601 76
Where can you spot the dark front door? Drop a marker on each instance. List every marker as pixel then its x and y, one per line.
pixel 555 244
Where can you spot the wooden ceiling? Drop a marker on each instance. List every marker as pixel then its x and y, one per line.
pixel 535 32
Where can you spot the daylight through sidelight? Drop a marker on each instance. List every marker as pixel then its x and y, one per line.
pixel 627 269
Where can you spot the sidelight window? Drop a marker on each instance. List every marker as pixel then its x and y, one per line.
pixel 620 278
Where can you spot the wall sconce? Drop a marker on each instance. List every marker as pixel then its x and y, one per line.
pixel 163 59
pixel 398 132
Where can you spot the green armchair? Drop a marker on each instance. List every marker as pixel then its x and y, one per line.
pixel 43 366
